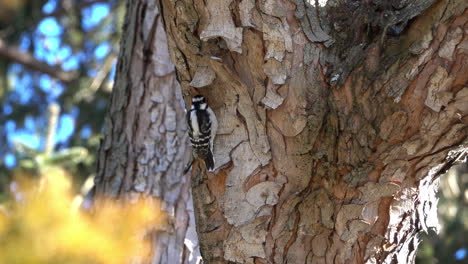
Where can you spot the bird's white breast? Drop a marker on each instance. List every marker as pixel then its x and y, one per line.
pixel 194 123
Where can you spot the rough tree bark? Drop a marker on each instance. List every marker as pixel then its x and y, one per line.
pixel 144 150
pixel 335 120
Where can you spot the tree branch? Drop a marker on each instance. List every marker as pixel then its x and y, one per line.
pixel 28 60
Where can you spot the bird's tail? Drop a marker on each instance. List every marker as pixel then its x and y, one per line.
pixel 209 161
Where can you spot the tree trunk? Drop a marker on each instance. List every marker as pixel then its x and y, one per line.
pixel 144 150
pixel 335 120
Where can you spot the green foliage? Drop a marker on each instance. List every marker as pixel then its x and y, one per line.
pixel 84 98
pixel 453 216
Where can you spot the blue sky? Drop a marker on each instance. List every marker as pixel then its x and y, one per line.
pixel 50 49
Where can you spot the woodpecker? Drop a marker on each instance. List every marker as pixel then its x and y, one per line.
pixel 202 124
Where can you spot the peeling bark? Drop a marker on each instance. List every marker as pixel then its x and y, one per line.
pixel 144 150
pixel 335 120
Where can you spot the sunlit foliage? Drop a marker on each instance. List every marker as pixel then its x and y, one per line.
pixel 42 226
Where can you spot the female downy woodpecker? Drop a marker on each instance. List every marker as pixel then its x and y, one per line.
pixel 202 124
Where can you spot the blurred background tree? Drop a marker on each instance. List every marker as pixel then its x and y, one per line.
pixel 451 244
pixel 57 64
